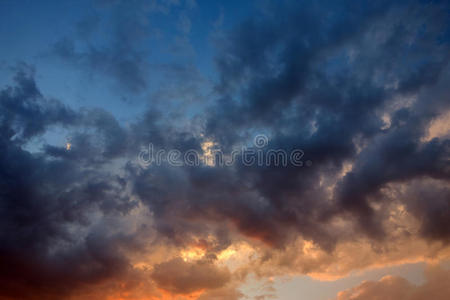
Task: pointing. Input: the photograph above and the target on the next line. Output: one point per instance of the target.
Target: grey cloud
(183, 277)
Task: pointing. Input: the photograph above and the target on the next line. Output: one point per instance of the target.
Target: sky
(224, 150)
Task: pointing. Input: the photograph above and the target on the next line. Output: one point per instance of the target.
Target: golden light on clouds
(192, 254)
(439, 128)
(226, 254)
(165, 295)
(208, 156)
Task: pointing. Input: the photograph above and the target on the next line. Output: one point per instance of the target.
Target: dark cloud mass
(356, 85)
(45, 202)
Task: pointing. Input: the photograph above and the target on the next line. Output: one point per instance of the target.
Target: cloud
(180, 277)
(48, 203)
(357, 87)
(392, 287)
(326, 91)
(25, 113)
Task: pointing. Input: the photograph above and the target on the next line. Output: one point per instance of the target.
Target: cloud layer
(391, 287)
(359, 87)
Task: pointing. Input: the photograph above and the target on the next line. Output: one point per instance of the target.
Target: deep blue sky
(173, 32)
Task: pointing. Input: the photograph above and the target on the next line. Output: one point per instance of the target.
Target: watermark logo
(260, 154)
(261, 141)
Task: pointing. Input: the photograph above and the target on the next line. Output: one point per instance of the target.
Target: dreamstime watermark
(258, 155)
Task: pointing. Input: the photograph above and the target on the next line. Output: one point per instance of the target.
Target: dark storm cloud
(44, 201)
(322, 87)
(434, 214)
(53, 242)
(271, 58)
(397, 156)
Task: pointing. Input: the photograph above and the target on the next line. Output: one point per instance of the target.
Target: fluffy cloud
(397, 288)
